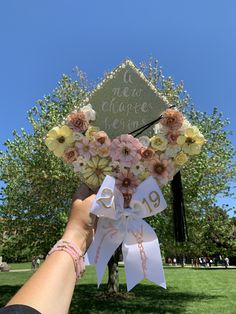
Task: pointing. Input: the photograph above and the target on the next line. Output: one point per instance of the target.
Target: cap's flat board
(125, 101)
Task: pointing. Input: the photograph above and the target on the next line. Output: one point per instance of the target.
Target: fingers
(80, 207)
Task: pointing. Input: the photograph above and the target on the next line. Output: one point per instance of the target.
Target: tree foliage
(38, 187)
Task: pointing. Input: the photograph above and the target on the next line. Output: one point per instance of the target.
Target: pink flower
(172, 137)
(77, 121)
(125, 149)
(160, 169)
(172, 119)
(70, 155)
(147, 153)
(126, 182)
(85, 149)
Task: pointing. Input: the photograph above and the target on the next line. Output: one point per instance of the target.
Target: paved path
(19, 270)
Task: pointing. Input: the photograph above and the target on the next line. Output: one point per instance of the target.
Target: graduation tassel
(180, 227)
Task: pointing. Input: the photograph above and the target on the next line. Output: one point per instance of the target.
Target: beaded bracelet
(73, 250)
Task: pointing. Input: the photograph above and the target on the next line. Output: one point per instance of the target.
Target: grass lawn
(20, 266)
(188, 291)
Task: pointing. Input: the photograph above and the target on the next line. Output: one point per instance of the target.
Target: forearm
(50, 289)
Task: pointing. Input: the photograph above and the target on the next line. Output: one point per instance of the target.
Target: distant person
(226, 262)
(174, 261)
(210, 262)
(183, 261)
(204, 262)
(33, 263)
(200, 261)
(38, 262)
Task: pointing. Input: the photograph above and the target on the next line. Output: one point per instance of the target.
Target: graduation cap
(127, 102)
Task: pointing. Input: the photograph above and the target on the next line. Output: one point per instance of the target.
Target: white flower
(186, 124)
(79, 164)
(116, 166)
(137, 168)
(172, 150)
(144, 140)
(158, 128)
(89, 112)
(77, 136)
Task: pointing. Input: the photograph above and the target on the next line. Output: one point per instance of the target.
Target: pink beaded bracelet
(76, 254)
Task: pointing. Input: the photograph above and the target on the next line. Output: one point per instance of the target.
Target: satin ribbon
(116, 225)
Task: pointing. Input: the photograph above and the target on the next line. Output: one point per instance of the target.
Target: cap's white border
(112, 74)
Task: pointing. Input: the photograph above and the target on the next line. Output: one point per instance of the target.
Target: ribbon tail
(108, 237)
(141, 253)
(86, 260)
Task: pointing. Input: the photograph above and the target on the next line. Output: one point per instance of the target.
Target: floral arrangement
(130, 160)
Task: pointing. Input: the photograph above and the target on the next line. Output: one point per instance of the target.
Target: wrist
(76, 236)
(75, 253)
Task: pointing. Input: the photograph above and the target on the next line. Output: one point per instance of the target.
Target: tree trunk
(113, 272)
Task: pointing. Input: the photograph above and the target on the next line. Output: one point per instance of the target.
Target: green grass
(188, 291)
(20, 266)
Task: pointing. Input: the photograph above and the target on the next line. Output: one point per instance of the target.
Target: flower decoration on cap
(129, 160)
(58, 139)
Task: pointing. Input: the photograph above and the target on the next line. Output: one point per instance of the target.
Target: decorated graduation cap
(126, 140)
(125, 100)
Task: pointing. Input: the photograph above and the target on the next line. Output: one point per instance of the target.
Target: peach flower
(77, 121)
(147, 153)
(172, 119)
(172, 137)
(70, 155)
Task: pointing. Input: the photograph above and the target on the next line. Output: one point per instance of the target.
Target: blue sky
(194, 41)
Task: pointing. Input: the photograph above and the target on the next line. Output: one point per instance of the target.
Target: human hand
(81, 223)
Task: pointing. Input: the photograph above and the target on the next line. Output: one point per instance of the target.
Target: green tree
(39, 187)
(204, 177)
(219, 233)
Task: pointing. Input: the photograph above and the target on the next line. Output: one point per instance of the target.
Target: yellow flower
(191, 141)
(180, 159)
(158, 142)
(95, 170)
(90, 132)
(58, 139)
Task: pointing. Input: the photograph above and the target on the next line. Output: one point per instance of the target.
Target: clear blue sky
(195, 41)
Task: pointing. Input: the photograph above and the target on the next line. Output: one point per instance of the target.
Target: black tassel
(180, 227)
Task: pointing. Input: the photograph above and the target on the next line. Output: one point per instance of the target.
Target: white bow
(116, 225)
